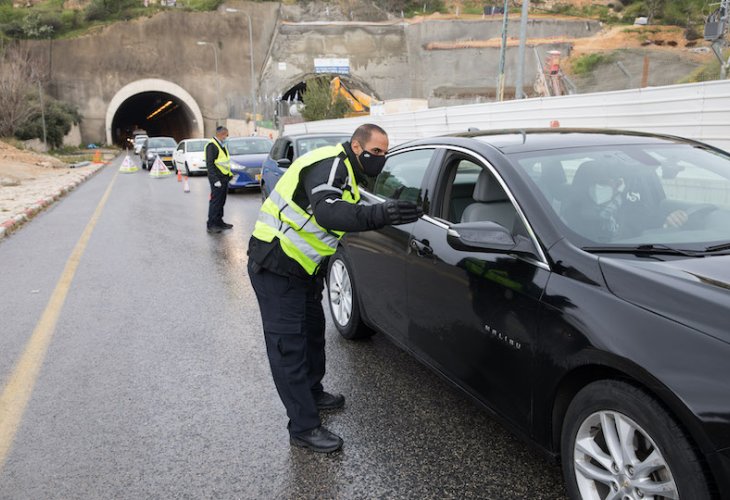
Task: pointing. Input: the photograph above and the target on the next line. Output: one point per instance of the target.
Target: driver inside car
(603, 207)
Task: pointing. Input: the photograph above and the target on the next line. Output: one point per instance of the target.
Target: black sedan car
(574, 282)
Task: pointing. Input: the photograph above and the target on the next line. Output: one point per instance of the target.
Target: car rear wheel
(343, 300)
(618, 442)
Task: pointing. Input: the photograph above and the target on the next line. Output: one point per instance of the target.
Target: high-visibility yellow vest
(300, 236)
(223, 161)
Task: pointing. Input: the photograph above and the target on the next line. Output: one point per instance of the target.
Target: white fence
(699, 111)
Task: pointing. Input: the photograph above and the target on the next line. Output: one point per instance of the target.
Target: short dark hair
(220, 128)
(363, 133)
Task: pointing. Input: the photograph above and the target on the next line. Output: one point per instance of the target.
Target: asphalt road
(155, 382)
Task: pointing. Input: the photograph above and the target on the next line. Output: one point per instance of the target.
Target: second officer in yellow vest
(311, 207)
(218, 163)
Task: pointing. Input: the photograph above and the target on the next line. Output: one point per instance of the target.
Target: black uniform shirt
(320, 191)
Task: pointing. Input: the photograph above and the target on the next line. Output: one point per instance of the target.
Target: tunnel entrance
(157, 113)
(357, 93)
(157, 107)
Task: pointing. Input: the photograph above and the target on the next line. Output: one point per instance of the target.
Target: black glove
(396, 212)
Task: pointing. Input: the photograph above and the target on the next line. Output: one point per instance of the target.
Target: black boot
(318, 439)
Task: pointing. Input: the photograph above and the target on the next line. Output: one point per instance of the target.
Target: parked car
(157, 146)
(189, 156)
(138, 142)
(288, 148)
(576, 283)
(247, 154)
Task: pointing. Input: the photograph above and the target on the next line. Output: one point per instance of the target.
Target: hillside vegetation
(51, 19)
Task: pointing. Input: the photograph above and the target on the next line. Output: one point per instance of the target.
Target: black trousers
(294, 324)
(217, 200)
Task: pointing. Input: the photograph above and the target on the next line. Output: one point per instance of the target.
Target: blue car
(247, 154)
(288, 148)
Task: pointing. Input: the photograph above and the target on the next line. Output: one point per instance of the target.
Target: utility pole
(43, 114)
(500, 81)
(715, 30)
(519, 93)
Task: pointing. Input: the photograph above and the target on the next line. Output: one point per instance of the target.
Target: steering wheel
(697, 213)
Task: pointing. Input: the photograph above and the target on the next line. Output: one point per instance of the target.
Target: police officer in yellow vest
(311, 207)
(218, 163)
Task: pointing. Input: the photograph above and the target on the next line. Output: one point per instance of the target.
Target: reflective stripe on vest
(300, 235)
(223, 161)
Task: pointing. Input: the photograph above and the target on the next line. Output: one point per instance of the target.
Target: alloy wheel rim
(615, 458)
(340, 291)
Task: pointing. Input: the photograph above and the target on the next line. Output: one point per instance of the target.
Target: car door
(179, 157)
(473, 311)
(378, 257)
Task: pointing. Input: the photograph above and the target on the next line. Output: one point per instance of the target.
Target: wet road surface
(155, 382)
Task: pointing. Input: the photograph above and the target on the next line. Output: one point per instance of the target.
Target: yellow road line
(17, 392)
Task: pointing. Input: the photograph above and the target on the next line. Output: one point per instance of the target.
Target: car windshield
(305, 145)
(248, 146)
(139, 139)
(636, 195)
(161, 142)
(196, 146)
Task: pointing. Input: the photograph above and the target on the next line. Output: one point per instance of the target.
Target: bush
(318, 103)
(59, 117)
(587, 63)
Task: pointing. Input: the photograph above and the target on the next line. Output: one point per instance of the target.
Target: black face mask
(372, 165)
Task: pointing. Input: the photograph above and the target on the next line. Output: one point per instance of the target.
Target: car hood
(694, 291)
(253, 160)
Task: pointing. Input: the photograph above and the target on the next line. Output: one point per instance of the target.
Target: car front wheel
(343, 301)
(619, 442)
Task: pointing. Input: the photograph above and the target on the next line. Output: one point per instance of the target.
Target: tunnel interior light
(159, 110)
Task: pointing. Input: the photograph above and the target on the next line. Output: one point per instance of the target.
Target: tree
(19, 75)
(654, 8)
(319, 104)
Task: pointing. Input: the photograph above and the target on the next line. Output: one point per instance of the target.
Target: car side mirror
(283, 162)
(487, 235)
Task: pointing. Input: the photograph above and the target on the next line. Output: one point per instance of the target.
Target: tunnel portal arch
(158, 106)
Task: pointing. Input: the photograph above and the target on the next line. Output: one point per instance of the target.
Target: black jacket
(319, 190)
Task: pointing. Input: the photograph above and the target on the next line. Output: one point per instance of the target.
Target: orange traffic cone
(97, 156)
(186, 186)
(179, 176)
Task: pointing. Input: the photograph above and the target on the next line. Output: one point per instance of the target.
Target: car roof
(528, 140)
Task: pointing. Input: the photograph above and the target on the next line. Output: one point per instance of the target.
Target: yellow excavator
(358, 101)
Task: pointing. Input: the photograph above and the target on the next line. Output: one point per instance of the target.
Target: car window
(197, 146)
(140, 139)
(161, 142)
(181, 146)
(277, 150)
(631, 194)
(308, 144)
(248, 146)
(289, 152)
(472, 193)
(403, 175)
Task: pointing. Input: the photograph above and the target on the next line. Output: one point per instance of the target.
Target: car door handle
(422, 248)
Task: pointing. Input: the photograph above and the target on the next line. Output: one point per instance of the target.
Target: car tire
(343, 300)
(611, 411)
(263, 193)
